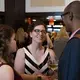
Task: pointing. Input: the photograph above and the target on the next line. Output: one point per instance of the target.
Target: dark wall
(19, 20)
(2, 18)
(15, 12)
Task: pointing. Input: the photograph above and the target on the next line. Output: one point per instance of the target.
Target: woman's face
(12, 45)
(38, 34)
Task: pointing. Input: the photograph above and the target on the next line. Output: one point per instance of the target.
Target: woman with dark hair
(34, 58)
(7, 46)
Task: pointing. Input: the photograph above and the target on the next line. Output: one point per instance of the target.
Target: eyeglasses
(64, 14)
(38, 31)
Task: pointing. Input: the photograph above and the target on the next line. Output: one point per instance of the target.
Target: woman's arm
(6, 73)
(28, 77)
(34, 77)
(19, 64)
(53, 56)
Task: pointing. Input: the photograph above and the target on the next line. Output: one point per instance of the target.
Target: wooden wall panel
(15, 12)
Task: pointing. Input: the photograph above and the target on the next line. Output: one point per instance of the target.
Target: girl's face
(12, 45)
(38, 34)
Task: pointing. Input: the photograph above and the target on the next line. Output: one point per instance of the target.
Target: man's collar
(72, 35)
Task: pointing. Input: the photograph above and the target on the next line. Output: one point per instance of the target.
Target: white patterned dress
(32, 66)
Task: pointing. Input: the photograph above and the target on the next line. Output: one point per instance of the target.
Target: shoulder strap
(77, 35)
(28, 50)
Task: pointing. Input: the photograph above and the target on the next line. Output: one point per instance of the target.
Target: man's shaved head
(74, 7)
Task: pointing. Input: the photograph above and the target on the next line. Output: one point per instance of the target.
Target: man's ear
(71, 16)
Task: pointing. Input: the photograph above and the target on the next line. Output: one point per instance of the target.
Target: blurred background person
(53, 36)
(48, 42)
(60, 41)
(20, 37)
(62, 33)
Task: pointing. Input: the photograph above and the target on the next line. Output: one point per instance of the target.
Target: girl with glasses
(34, 58)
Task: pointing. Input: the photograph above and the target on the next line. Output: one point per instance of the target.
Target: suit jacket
(69, 62)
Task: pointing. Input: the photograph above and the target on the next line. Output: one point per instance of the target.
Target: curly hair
(34, 24)
(6, 33)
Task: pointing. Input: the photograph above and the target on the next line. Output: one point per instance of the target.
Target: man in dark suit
(69, 62)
